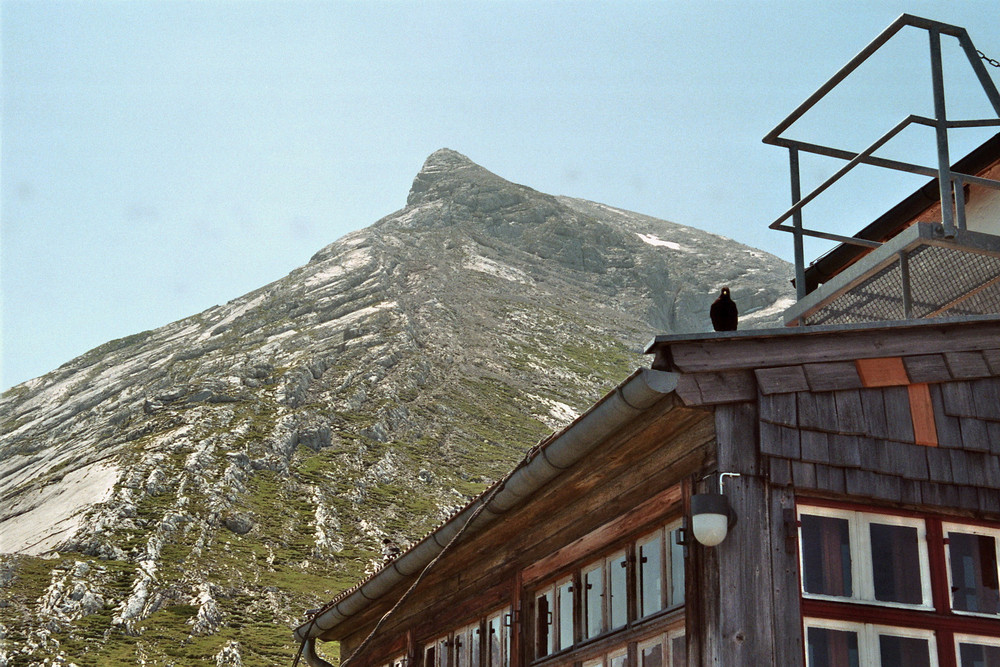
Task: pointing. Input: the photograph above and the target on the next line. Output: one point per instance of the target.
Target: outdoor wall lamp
(711, 515)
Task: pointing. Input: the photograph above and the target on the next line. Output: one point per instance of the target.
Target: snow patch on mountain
(653, 239)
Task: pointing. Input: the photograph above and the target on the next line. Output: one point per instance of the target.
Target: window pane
(676, 570)
(826, 556)
(832, 648)
(974, 573)
(494, 633)
(475, 649)
(678, 651)
(593, 584)
(543, 624)
(617, 660)
(650, 580)
(978, 655)
(442, 652)
(618, 604)
(904, 651)
(896, 563)
(565, 593)
(651, 656)
(461, 649)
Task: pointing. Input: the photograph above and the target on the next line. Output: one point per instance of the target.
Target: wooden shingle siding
(781, 380)
(927, 368)
(958, 399)
(992, 358)
(949, 429)
(779, 409)
(899, 424)
(964, 365)
(873, 409)
(850, 414)
(986, 394)
(832, 376)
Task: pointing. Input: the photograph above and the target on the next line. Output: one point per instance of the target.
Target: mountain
(183, 495)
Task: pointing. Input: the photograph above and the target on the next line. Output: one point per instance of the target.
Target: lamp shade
(709, 518)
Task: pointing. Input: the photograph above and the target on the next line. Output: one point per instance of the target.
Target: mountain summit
(184, 494)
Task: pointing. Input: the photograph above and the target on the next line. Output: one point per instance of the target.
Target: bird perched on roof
(389, 549)
(724, 313)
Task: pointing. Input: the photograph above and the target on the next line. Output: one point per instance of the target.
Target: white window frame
(440, 657)
(559, 642)
(671, 636)
(501, 616)
(657, 640)
(868, 638)
(968, 529)
(981, 640)
(462, 643)
(668, 597)
(859, 535)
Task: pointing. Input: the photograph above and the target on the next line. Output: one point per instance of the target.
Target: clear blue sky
(159, 158)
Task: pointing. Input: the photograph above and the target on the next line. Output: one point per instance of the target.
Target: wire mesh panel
(944, 281)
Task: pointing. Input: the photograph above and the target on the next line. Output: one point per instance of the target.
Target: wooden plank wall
(744, 604)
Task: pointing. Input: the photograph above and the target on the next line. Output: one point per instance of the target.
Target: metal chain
(991, 61)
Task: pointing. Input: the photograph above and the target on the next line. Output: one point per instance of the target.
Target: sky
(160, 158)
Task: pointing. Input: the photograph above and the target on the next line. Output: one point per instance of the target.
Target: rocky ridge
(182, 495)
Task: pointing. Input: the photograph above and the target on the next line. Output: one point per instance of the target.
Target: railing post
(800, 260)
(941, 120)
(904, 277)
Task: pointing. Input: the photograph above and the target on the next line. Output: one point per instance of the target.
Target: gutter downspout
(309, 653)
(637, 393)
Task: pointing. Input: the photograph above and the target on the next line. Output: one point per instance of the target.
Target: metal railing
(950, 182)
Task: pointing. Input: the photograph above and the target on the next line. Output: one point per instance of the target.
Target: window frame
(964, 638)
(615, 617)
(947, 624)
(979, 531)
(862, 563)
(869, 649)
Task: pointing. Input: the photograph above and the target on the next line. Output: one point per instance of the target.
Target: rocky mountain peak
(447, 173)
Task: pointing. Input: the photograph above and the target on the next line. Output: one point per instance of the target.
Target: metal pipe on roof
(637, 393)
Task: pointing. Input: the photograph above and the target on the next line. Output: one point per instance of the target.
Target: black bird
(724, 313)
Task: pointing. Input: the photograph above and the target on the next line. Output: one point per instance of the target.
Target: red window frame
(941, 620)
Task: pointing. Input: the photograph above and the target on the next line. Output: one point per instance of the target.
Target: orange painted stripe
(882, 372)
(922, 413)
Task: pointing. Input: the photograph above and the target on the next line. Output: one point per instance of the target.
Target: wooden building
(851, 473)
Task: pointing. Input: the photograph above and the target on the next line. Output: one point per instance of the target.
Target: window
(607, 594)
(659, 571)
(939, 577)
(484, 643)
(977, 651)
(468, 647)
(844, 644)
(497, 642)
(973, 573)
(874, 558)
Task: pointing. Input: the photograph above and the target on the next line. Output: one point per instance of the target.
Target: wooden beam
(660, 505)
(819, 346)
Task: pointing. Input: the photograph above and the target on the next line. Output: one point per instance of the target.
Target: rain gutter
(639, 392)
